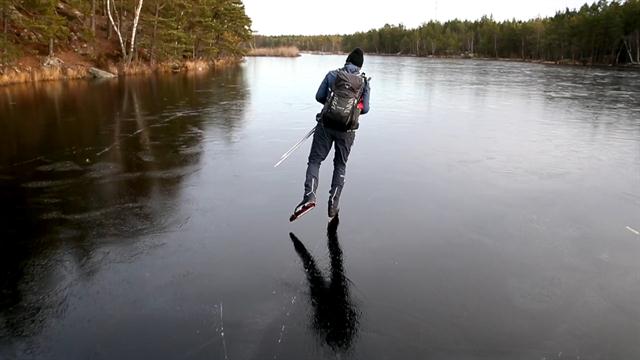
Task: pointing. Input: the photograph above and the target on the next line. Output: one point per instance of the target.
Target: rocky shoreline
(53, 68)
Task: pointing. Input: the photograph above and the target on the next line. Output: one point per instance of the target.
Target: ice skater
(345, 96)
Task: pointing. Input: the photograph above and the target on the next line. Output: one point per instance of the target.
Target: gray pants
(323, 139)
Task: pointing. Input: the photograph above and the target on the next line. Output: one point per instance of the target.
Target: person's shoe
(306, 205)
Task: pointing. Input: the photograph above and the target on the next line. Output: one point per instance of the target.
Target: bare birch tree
(126, 56)
(136, 18)
(116, 28)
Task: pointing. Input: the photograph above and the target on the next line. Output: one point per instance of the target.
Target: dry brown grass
(170, 66)
(17, 76)
(112, 69)
(47, 74)
(27, 74)
(136, 68)
(197, 65)
(14, 76)
(78, 72)
(282, 51)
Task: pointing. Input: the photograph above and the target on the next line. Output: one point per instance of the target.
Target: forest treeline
(604, 32)
(124, 30)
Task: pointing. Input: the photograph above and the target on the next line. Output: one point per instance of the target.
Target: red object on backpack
(360, 105)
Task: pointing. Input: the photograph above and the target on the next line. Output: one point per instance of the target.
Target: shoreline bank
(57, 70)
(281, 51)
(462, 57)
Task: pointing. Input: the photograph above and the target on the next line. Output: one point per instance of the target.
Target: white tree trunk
(638, 46)
(628, 50)
(117, 30)
(133, 31)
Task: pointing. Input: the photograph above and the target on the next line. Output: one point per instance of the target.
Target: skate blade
(302, 211)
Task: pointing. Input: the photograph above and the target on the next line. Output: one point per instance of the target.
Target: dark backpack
(341, 108)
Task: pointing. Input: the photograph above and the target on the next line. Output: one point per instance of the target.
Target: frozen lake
(491, 211)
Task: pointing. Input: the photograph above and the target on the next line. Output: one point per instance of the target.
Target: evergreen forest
(604, 32)
(123, 30)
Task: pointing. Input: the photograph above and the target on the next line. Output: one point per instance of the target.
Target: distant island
(603, 33)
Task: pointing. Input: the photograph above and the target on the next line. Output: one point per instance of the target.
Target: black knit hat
(356, 57)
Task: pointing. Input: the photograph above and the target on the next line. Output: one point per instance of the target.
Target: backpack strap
(332, 87)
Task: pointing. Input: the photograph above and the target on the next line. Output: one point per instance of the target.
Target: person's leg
(320, 148)
(343, 142)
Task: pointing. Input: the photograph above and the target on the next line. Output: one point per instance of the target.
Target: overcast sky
(278, 17)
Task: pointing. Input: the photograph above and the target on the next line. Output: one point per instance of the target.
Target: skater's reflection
(335, 317)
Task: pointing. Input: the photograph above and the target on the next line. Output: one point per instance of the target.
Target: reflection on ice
(99, 169)
(335, 317)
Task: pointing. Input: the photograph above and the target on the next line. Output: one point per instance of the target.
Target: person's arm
(323, 90)
(365, 99)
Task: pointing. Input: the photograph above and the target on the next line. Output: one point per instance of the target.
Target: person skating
(345, 95)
